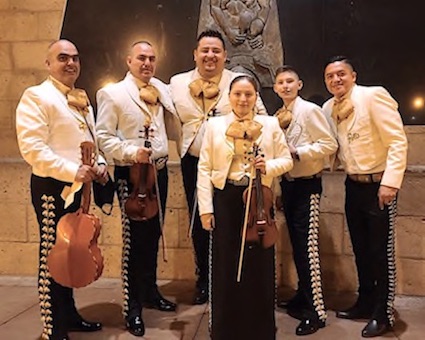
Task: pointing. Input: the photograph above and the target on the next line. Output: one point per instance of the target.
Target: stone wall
(26, 28)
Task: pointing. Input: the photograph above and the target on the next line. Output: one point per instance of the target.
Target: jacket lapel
(133, 91)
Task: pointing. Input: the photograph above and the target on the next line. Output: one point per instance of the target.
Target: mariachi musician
(52, 120)
(245, 309)
(126, 110)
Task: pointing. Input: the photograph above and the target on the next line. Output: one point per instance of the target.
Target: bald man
(125, 109)
(51, 124)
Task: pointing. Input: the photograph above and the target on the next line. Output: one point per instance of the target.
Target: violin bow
(192, 217)
(245, 225)
(161, 217)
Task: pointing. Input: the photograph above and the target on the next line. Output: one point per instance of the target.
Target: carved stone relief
(251, 32)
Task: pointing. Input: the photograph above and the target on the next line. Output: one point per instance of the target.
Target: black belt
(292, 179)
(367, 178)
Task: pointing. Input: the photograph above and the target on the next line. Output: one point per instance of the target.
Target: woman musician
(245, 309)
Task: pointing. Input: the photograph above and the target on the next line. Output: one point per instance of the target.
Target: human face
(242, 98)
(142, 62)
(339, 78)
(210, 57)
(287, 85)
(63, 62)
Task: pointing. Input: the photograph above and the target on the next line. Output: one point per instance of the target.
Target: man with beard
(138, 103)
(52, 120)
(197, 95)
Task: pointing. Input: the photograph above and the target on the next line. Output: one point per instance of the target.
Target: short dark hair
(244, 77)
(341, 58)
(287, 68)
(211, 34)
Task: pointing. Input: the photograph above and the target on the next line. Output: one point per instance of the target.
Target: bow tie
(284, 116)
(149, 94)
(244, 129)
(342, 109)
(207, 88)
(78, 98)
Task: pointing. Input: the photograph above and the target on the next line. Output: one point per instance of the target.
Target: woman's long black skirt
(239, 310)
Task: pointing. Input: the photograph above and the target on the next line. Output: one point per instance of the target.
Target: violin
(75, 260)
(261, 227)
(142, 204)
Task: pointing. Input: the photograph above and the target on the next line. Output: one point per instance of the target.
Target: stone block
(339, 273)
(331, 233)
(410, 277)
(111, 233)
(6, 114)
(180, 265)
(21, 81)
(171, 228)
(185, 240)
(4, 4)
(5, 56)
(9, 145)
(39, 5)
(30, 55)
(112, 261)
(411, 197)
(285, 271)
(18, 26)
(176, 196)
(14, 182)
(32, 224)
(416, 139)
(284, 245)
(333, 195)
(49, 25)
(17, 258)
(13, 219)
(410, 236)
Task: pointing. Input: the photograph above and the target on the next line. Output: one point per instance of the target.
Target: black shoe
(355, 312)
(161, 304)
(309, 326)
(201, 297)
(82, 325)
(135, 326)
(375, 328)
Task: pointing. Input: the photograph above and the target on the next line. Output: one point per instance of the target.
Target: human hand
(102, 173)
(260, 163)
(386, 195)
(143, 155)
(208, 221)
(85, 173)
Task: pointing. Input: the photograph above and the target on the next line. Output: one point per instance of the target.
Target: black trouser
(56, 301)
(200, 237)
(140, 247)
(301, 198)
(372, 235)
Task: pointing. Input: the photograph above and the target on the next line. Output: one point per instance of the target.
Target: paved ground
(19, 315)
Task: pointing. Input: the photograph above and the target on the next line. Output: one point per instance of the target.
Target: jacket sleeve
(110, 143)
(323, 142)
(387, 119)
(204, 183)
(32, 128)
(282, 161)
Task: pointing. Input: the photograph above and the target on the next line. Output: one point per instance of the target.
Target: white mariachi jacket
(217, 153)
(372, 139)
(121, 118)
(191, 114)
